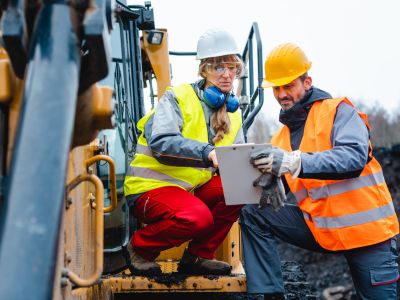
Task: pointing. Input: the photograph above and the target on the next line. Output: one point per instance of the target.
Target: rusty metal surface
(171, 281)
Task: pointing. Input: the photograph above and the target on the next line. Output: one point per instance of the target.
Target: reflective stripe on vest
(341, 214)
(356, 218)
(141, 149)
(340, 187)
(148, 173)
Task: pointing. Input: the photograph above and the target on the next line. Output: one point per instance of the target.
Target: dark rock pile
(330, 271)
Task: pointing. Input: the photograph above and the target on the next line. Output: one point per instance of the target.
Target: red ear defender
(214, 98)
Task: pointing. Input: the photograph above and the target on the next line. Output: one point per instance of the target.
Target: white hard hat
(216, 42)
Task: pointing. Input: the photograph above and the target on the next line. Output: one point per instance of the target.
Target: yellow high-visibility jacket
(147, 173)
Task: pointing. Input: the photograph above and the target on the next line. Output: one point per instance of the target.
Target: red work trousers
(174, 216)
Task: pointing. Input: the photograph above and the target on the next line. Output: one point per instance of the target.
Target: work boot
(274, 296)
(140, 266)
(195, 265)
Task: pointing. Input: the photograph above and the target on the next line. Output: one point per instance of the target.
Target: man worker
(324, 154)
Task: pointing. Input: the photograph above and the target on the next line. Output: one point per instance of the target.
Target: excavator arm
(57, 50)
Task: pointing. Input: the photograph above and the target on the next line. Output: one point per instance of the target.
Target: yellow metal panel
(229, 250)
(3, 53)
(78, 243)
(7, 81)
(169, 266)
(14, 112)
(94, 111)
(97, 292)
(171, 281)
(98, 232)
(102, 106)
(174, 253)
(159, 60)
(128, 284)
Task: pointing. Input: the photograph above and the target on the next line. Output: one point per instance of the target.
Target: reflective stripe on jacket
(146, 173)
(341, 214)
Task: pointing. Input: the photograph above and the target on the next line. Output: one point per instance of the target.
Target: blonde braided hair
(220, 121)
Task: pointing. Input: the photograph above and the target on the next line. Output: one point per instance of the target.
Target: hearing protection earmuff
(214, 98)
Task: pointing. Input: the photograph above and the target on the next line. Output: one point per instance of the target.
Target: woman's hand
(213, 157)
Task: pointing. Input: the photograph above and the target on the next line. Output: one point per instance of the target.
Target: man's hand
(273, 192)
(212, 156)
(276, 161)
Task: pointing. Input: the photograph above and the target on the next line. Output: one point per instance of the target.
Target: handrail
(99, 230)
(182, 53)
(249, 118)
(113, 179)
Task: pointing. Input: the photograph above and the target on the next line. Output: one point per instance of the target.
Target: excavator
(76, 77)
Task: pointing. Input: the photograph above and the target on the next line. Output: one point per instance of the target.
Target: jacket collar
(296, 116)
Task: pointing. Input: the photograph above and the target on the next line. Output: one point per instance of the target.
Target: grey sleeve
(347, 158)
(239, 139)
(163, 132)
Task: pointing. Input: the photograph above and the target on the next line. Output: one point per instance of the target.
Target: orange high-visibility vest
(341, 214)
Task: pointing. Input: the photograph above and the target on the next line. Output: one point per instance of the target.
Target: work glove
(276, 161)
(273, 191)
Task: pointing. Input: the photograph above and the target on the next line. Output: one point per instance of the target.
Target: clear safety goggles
(221, 68)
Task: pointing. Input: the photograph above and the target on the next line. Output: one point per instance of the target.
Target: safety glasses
(221, 68)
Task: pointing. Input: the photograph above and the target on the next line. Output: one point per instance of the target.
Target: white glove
(277, 161)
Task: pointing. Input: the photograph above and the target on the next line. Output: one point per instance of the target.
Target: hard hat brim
(221, 53)
(279, 82)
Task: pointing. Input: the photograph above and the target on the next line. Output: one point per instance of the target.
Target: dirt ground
(324, 271)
